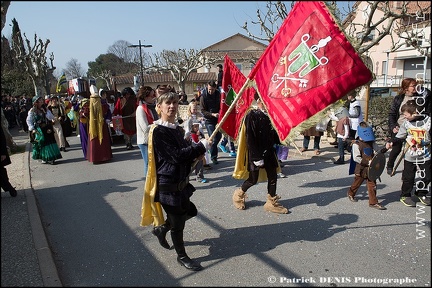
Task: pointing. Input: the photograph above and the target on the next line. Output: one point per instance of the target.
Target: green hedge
(378, 116)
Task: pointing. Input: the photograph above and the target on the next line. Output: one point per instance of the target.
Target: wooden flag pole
(233, 104)
(366, 114)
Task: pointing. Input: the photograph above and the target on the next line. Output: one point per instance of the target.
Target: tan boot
(239, 197)
(272, 205)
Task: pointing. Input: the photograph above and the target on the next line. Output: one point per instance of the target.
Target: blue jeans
(213, 149)
(341, 148)
(306, 140)
(144, 153)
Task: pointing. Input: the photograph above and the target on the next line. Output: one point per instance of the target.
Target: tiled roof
(235, 35)
(164, 78)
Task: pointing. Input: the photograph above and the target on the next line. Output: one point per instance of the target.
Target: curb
(47, 265)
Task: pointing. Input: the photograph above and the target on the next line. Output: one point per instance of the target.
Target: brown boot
(239, 197)
(272, 205)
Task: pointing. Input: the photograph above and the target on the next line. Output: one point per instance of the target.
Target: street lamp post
(141, 59)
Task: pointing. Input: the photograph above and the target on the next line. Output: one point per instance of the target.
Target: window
(384, 68)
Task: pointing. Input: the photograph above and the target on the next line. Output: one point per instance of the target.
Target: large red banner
(232, 82)
(307, 66)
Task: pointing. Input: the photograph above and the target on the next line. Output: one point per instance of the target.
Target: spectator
(220, 77)
(126, 107)
(23, 116)
(407, 91)
(210, 106)
(355, 116)
(195, 136)
(145, 116)
(317, 139)
(183, 98)
(341, 116)
(415, 130)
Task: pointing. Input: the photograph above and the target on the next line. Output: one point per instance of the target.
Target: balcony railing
(392, 81)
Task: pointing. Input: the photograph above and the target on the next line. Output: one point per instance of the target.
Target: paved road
(91, 216)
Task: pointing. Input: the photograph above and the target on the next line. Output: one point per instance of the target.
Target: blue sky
(85, 29)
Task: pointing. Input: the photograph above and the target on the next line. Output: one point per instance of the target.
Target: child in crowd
(364, 149)
(194, 136)
(415, 130)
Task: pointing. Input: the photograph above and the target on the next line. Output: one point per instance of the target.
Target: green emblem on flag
(230, 97)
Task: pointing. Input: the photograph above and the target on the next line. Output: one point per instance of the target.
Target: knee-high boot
(160, 232)
(178, 223)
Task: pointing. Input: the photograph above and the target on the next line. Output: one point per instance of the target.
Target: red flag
(232, 82)
(307, 66)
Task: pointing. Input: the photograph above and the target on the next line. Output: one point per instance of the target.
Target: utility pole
(141, 59)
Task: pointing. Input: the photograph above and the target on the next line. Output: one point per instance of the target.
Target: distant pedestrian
(126, 107)
(39, 121)
(220, 76)
(210, 107)
(23, 116)
(146, 114)
(317, 139)
(341, 116)
(355, 115)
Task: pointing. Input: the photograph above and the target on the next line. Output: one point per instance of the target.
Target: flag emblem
(307, 66)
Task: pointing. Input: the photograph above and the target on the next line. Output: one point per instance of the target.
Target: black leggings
(253, 179)
(176, 219)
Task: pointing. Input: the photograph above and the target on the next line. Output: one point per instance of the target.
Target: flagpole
(233, 104)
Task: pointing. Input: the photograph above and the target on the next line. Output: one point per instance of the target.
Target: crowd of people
(174, 149)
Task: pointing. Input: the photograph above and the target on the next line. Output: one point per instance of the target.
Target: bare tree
(34, 59)
(121, 49)
(396, 23)
(74, 69)
(396, 20)
(179, 63)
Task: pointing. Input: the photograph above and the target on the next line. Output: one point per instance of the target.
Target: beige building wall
(380, 54)
(232, 46)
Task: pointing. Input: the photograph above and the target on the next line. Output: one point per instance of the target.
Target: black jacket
(393, 114)
(261, 138)
(173, 156)
(210, 104)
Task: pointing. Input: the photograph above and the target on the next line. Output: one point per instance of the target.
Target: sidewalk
(26, 258)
